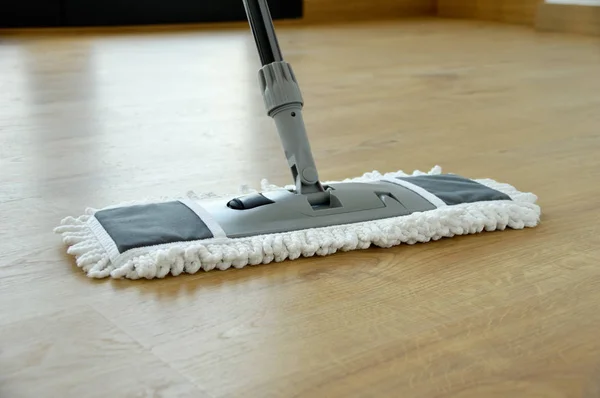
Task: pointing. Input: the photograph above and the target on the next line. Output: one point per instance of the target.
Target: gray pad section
(152, 224)
(454, 189)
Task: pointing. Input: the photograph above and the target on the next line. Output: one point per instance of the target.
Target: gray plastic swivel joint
(283, 102)
(279, 86)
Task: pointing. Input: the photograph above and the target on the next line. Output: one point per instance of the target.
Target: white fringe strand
(190, 257)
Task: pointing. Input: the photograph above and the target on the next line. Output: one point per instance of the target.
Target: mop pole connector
(283, 102)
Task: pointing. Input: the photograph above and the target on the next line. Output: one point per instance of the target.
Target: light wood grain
(78, 353)
(93, 119)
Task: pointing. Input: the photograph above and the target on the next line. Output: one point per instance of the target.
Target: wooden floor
(97, 118)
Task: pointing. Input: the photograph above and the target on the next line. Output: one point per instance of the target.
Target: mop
(156, 238)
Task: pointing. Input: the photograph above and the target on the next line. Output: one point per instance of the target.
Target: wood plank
(77, 352)
(102, 117)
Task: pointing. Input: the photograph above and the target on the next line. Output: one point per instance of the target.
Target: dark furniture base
(56, 13)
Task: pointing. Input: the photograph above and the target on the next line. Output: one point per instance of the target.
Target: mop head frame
(97, 254)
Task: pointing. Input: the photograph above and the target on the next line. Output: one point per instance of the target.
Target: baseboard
(354, 10)
(560, 16)
(520, 12)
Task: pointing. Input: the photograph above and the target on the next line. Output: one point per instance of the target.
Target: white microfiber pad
(204, 246)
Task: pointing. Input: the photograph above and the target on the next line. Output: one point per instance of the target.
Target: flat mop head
(154, 239)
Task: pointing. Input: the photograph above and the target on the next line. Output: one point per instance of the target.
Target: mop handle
(283, 101)
(262, 28)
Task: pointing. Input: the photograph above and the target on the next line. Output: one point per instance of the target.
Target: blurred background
(582, 16)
